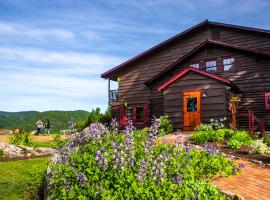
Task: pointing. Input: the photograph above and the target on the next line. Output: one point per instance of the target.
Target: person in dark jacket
(47, 126)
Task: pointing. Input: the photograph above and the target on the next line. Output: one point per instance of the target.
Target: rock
(27, 149)
(256, 161)
(6, 132)
(44, 151)
(232, 196)
(33, 132)
(13, 150)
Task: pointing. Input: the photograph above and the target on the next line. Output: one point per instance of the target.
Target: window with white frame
(195, 65)
(211, 66)
(228, 63)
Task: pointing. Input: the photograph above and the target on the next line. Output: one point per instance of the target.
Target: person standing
(47, 126)
(39, 125)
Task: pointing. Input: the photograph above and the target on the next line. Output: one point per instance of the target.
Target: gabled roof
(204, 73)
(176, 37)
(200, 46)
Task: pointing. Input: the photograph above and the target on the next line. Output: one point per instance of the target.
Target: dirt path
(252, 184)
(172, 137)
(40, 138)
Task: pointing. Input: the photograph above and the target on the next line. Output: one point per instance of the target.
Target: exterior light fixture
(204, 94)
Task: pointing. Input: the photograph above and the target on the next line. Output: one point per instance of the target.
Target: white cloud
(10, 29)
(35, 79)
(46, 56)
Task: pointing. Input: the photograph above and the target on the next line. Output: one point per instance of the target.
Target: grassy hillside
(26, 120)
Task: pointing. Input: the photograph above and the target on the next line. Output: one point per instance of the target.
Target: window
(228, 63)
(192, 104)
(195, 65)
(139, 113)
(211, 66)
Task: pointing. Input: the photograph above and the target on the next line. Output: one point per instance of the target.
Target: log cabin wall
(250, 74)
(212, 106)
(132, 88)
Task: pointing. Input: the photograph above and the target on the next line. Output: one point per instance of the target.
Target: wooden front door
(191, 110)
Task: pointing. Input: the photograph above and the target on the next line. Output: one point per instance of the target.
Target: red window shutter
(133, 113)
(146, 115)
(123, 117)
(267, 101)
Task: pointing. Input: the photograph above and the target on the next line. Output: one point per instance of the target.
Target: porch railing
(113, 95)
(251, 121)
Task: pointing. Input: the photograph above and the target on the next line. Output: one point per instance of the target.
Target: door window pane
(192, 104)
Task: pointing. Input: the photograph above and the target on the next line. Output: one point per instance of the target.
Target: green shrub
(204, 127)
(1, 152)
(95, 116)
(239, 139)
(266, 140)
(165, 125)
(234, 144)
(228, 133)
(259, 147)
(24, 139)
(201, 137)
(57, 140)
(130, 165)
(218, 135)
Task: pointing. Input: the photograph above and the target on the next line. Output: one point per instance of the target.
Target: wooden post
(233, 115)
(109, 89)
(234, 101)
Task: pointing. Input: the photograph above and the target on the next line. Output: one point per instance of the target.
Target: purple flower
(241, 165)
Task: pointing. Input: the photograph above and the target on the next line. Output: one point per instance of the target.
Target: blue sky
(53, 52)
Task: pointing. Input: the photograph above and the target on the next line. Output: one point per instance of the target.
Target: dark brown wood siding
(132, 88)
(212, 106)
(250, 73)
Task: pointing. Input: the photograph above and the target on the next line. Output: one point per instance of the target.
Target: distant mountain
(27, 119)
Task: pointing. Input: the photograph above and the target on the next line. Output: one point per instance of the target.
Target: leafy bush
(201, 137)
(266, 140)
(24, 139)
(95, 116)
(228, 133)
(165, 125)
(58, 142)
(239, 139)
(204, 127)
(206, 134)
(1, 152)
(259, 147)
(102, 164)
(234, 144)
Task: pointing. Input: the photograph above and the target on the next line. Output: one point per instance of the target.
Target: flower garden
(237, 142)
(104, 163)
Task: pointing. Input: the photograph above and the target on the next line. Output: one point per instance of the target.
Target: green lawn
(48, 144)
(22, 179)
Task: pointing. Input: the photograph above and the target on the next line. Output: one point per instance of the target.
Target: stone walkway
(253, 183)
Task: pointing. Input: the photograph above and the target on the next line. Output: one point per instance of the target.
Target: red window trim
(123, 113)
(266, 100)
